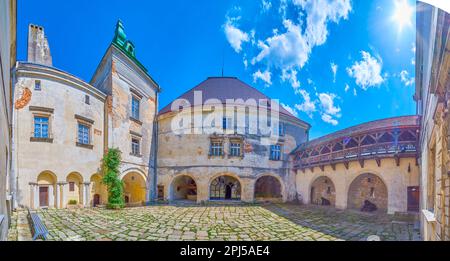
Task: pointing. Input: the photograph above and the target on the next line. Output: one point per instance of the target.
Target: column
(51, 196)
(58, 194)
(36, 196)
(32, 197)
(87, 193)
(64, 194)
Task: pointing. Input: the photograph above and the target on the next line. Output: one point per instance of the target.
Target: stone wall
(189, 154)
(396, 178)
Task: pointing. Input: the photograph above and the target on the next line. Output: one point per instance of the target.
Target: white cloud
(290, 109)
(347, 88)
(284, 50)
(264, 76)
(334, 68)
(367, 72)
(354, 92)
(291, 75)
(328, 119)
(413, 61)
(293, 47)
(234, 35)
(327, 104)
(413, 47)
(310, 81)
(266, 5)
(307, 106)
(404, 76)
(319, 13)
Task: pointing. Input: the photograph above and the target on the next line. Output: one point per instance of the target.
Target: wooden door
(43, 196)
(96, 200)
(413, 199)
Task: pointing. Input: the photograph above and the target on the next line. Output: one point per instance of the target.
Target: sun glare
(403, 14)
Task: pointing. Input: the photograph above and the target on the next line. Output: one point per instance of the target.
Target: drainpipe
(154, 186)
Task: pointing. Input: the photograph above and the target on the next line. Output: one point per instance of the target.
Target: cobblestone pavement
(219, 222)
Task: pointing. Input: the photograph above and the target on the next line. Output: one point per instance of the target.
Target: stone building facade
(374, 162)
(200, 147)
(8, 22)
(433, 103)
(64, 125)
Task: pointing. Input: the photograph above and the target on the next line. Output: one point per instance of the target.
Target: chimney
(38, 49)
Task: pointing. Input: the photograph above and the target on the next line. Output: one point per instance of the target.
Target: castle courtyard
(217, 223)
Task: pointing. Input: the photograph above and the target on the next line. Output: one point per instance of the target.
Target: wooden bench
(38, 227)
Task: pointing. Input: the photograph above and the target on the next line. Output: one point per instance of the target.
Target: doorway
(96, 200)
(413, 199)
(43, 196)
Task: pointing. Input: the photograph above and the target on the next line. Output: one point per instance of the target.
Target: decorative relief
(113, 67)
(248, 147)
(24, 99)
(109, 104)
(97, 132)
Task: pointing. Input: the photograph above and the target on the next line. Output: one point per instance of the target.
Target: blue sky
(285, 48)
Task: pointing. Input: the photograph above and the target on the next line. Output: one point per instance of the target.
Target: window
(226, 123)
(71, 186)
(281, 129)
(83, 133)
(135, 107)
(37, 85)
(216, 148)
(86, 99)
(135, 147)
(275, 152)
(329, 190)
(235, 149)
(40, 127)
(372, 192)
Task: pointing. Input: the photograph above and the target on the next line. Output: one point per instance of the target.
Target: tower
(38, 48)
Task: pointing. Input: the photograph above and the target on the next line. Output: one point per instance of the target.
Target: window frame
(135, 98)
(138, 139)
(216, 145)
(275, 152)
(36, 84)
(89, 134)
(234, 148)
(46, 116)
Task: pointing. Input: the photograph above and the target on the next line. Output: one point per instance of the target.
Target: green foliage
(110, 167)
(72, 202)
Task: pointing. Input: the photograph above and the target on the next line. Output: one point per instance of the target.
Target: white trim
(429, 216)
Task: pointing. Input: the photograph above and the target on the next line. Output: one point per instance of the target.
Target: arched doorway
(134, 188)
(368, 193)
(46, 189)
(99, 192)
(225, 188)
(323, 192)
(75, 183)
(268, 188)
(184, 188)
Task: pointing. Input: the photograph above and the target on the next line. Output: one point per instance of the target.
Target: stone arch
(322, 191)
(269, 187)
(225, 186)
(183, 187)
(75, 188)
(135, 188)
(46, 189)
(99, 192)
(368, 192)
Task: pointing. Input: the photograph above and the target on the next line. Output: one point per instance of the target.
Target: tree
(110, 167)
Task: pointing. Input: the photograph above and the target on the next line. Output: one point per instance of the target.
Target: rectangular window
(135, 147)
(135, 107)
(216, 148)
(226, 123)
(87, 99)
(71, 186)
(235, 149)
(275, 152)
(83, 134)
(281, 129)
(37, 85)
(40, 127)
